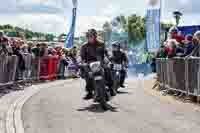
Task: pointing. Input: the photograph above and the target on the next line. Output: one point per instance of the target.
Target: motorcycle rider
(92, 51)
(119, 57)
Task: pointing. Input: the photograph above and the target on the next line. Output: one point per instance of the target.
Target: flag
(152, 24)
(70, 36)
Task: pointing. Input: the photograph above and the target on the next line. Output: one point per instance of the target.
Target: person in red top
(170, 48)
(177, 35)
(58, 51)
(180, 39)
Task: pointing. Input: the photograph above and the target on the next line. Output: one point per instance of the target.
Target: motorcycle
(95, 71)
(116, 73)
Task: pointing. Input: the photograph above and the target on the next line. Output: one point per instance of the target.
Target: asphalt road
(60, 109)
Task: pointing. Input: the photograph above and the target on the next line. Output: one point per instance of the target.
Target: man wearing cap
(92, 51)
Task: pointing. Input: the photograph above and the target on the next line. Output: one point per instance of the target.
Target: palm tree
(177, 16)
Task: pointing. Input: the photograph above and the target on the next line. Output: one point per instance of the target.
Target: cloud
(37, 15)
(111, 10)
(87, 22)
(48, 23)
(34, 6)
(55, 15)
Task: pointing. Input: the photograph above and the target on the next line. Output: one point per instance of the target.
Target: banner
(152, 24)
(70, 36)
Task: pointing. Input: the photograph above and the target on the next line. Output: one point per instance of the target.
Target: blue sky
(55, 15)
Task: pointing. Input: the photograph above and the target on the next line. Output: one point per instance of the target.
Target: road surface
(61, 109)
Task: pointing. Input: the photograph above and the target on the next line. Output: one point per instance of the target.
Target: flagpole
(160, 21)
(74, 25)
(70, 36)
(75, 4)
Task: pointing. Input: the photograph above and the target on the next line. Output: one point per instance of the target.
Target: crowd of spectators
(178, 45)
(19, 47)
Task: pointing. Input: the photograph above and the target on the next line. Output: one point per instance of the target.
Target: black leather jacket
(93, 52)
(119, 57)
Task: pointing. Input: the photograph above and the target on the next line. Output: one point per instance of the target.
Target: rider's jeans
(123, 77)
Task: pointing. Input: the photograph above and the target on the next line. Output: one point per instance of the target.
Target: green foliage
(49, 37)
(136, 28)
(12, 31)
(107, 31)
(134, 25)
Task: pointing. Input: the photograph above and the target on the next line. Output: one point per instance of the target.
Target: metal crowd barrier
(8, 67)
(36, 68)
(180, 74)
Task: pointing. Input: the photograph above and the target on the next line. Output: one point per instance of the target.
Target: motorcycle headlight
(95, 66)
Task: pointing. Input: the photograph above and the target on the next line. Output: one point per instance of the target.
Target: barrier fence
(180, 74)
(35, 68)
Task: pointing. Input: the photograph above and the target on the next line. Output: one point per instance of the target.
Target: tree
(7, 26)
(49, 37)
(28, 35)
(136, 28)
(122, 22)
(62, 37)
(107, 30)
(177, 16)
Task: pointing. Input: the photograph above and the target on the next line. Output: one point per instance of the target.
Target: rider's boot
(88, 96)
(113, 92)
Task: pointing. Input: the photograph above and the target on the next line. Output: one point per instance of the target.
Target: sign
(152, 24)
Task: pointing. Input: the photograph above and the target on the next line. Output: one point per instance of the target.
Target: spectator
(58, 51)
(36, 50)
(179, 50)
(54, 52)
(4, 45)
(50, 51)
(43, 50)
(188, 45)
(72, 56)
(175, 34)
(161, 52)
(180, 38)
(170, 49)
(25, 48)
(196, 44)
(63, 64)
(21, 63)
(30, 46)
(74, 51)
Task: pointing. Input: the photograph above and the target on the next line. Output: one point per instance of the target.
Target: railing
(36, 68)
(180, 74)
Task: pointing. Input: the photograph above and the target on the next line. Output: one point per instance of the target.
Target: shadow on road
(96, 108)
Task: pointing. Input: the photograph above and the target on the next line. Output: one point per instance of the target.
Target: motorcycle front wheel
(101, 93)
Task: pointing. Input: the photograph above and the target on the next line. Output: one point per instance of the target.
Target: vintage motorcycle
(95, 71)
(116, 73)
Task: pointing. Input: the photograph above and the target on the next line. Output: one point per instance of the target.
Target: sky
(54, 16)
